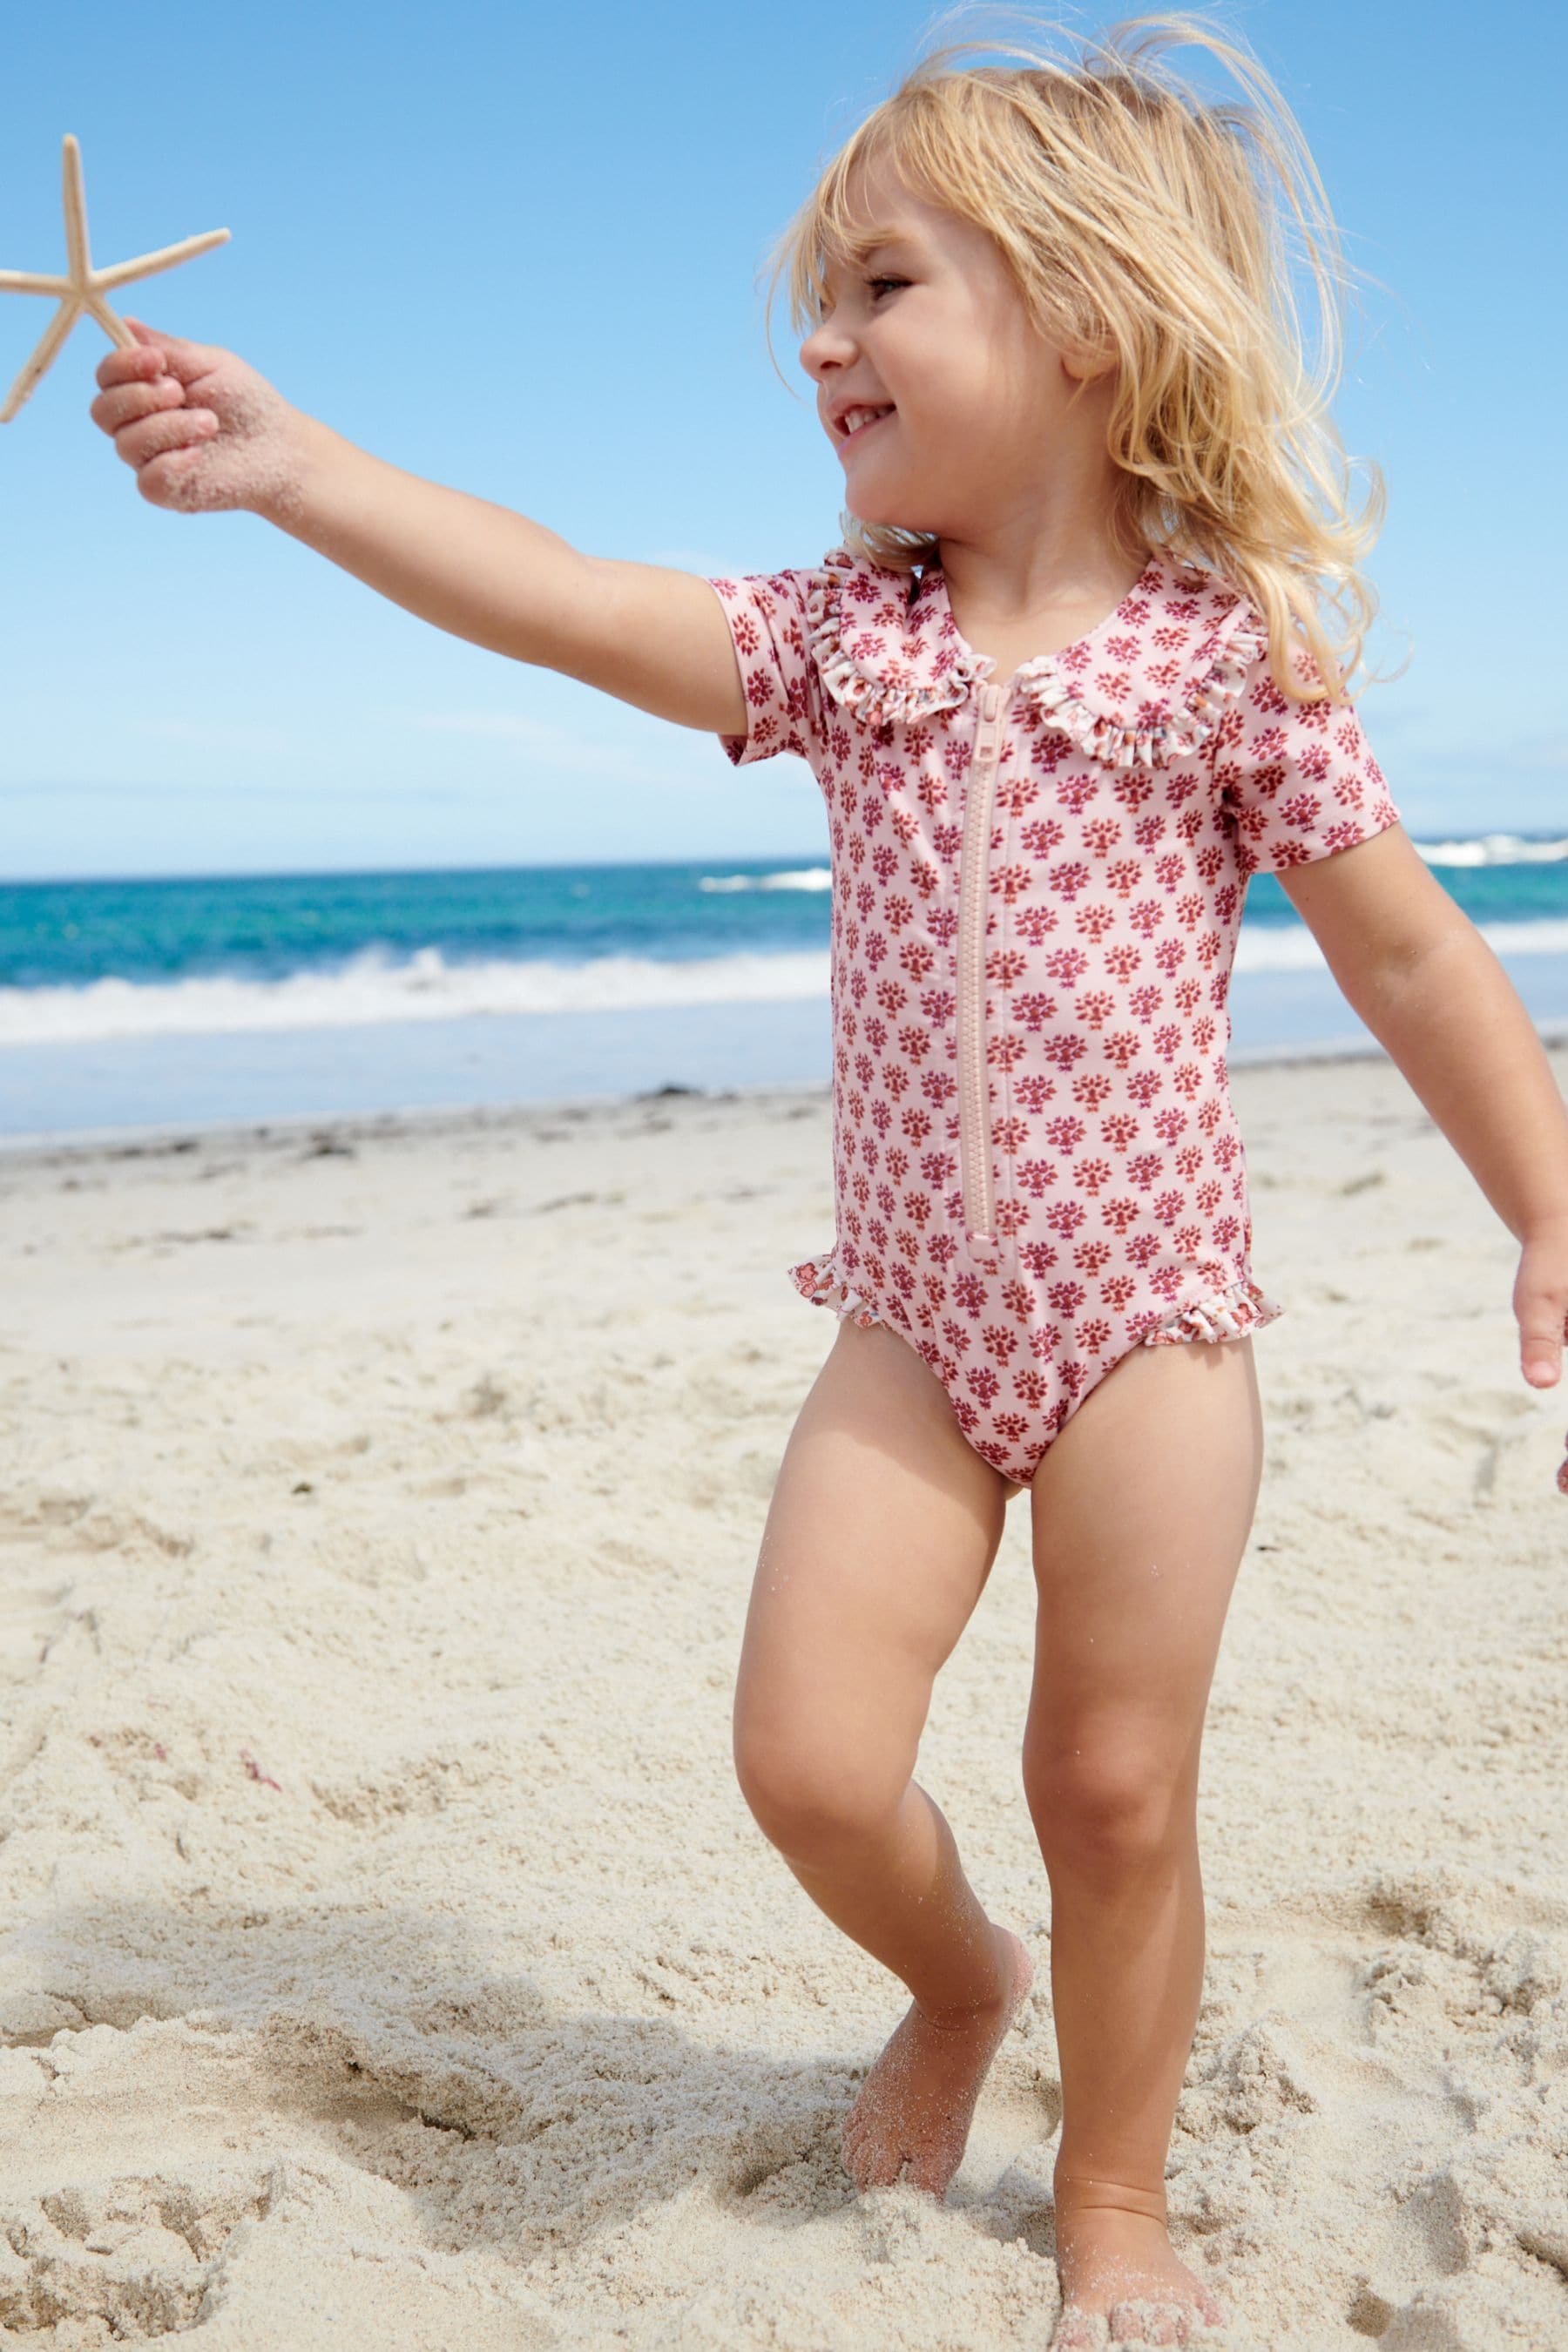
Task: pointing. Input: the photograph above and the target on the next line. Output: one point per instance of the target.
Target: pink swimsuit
(1036, 893)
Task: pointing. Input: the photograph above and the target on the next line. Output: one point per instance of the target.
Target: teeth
(855, 418)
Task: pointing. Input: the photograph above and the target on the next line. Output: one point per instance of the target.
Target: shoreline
(152, 1138)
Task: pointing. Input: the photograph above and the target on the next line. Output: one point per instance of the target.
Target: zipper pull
(988, 734)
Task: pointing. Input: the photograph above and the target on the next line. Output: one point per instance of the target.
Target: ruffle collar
(1146, 686)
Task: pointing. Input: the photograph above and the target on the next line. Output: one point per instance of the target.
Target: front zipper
(973, 1100)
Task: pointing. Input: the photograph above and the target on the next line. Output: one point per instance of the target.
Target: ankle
(1085, 2193)
(954, 2017)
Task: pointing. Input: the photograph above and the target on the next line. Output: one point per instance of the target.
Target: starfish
(83, 288)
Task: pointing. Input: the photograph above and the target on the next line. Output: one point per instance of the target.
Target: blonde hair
(1133, 214)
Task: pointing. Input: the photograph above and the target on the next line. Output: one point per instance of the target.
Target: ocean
(147, 1004)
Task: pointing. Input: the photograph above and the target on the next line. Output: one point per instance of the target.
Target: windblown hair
(1160, 230)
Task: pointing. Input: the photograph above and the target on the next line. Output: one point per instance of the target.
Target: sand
(389, 1957)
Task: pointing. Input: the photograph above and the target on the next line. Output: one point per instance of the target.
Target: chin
(887, 513)
(895, 520)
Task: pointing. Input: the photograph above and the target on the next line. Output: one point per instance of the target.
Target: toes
(1141, 2321)
(1081, 2331)
(930, 2177)
(868, 2163)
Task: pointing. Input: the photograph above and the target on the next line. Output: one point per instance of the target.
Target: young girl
(1065, 685)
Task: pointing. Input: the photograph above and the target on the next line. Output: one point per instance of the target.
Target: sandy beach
(390, 1960)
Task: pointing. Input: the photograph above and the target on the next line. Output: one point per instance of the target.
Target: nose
(826, 348)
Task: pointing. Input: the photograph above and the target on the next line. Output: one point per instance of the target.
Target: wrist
(290, 491)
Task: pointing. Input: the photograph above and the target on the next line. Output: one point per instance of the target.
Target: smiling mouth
(858, 422)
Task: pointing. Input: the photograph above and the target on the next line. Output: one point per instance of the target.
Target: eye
(874, 283)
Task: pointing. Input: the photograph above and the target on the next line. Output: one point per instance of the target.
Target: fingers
(125, 403)
(154, 436)
(182, 359)
(173, 481)
(147, 415)
(1542, 1329)
(1542, 1314)
(152, 354)
(1541, 1304)
(135, 363)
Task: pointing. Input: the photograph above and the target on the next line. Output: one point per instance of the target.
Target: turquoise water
(150, 1002)
(264, 928)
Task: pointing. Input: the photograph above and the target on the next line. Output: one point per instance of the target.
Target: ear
(1087, 359)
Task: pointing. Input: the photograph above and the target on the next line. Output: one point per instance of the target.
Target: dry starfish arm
(122, 273)
(54, 335)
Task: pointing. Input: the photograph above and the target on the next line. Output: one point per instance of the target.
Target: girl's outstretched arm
(204, 431)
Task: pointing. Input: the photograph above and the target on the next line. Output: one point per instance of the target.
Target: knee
(812, 1803)
(1112, 1808)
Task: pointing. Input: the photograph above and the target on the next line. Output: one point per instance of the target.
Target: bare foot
(916, 2104)
(1123, 2283)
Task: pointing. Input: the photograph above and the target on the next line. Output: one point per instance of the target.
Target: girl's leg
(880, 1538)
(1142, 1511)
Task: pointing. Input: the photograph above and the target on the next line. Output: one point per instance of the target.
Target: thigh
(879, 1537)
(1141, 1515)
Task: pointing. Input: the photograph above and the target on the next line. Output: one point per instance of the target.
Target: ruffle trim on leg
(818, 1280)
(1228, 1314)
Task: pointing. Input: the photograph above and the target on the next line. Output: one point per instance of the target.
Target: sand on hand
(389, 1956)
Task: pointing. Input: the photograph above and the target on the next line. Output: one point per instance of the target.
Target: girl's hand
(202, 430)
(1540, 1305)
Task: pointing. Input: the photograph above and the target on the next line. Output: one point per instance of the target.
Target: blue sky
(515, 249)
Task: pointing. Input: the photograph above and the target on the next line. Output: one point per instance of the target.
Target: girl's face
(972, 407)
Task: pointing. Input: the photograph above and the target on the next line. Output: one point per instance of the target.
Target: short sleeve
(768, 626)
(1298, 778)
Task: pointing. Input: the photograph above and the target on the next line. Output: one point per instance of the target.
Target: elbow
(1406, 968)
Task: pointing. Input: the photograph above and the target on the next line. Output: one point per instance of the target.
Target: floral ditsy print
(1140, 776)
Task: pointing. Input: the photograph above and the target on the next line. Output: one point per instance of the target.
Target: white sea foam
(1494, 849)
(805, 877)
(1485, 849)
(373, 989)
